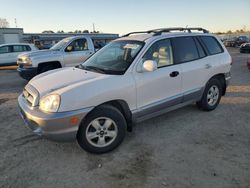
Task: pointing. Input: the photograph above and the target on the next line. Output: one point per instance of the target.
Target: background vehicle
(68, 52)
(245, 48)
(248, 63)
(236, 41)
(9, 52)
(131, 79)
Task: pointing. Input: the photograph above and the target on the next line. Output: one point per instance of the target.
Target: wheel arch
(55, 64)
(222, 79)
(123, 107)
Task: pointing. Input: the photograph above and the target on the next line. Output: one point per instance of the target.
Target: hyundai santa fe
(134, 78)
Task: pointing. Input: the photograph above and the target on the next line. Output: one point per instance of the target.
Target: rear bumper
(227, 78)
(27, 73)
(54, 126)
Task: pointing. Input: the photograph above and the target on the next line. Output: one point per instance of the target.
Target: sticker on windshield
(132, 46)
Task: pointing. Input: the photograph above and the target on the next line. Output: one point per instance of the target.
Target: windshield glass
(60, 44)
(115, 58)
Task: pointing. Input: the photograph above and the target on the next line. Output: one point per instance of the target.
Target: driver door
(161, 88)
(76, 52)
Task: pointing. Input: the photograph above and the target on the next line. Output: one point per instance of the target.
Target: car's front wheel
(102, 130)
(211, 96)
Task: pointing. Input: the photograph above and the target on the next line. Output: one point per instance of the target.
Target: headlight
(24, 60)
(50, 103)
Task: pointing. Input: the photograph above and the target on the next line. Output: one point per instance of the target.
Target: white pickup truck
(68, 52)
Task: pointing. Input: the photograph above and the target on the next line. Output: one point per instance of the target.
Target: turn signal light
(74, 120)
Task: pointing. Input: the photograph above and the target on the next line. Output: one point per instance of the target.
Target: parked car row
(236, 41)
(131, 79)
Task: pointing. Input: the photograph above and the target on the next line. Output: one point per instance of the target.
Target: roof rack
(136, 32)
(165, 30)
(188, 29)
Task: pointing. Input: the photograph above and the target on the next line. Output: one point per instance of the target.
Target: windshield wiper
(92, 68)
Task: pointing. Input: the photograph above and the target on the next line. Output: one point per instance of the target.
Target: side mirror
(69, 48)
(149, 66)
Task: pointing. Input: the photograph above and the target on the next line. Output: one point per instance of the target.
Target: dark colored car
(236, 41)
(248, 63)
(245, 48)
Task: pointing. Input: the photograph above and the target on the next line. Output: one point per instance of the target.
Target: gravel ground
(183, 148)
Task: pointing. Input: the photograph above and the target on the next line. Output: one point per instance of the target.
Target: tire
(103, 121)
(211, 95)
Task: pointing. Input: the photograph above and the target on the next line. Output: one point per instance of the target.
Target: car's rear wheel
(211, 96)
(102, 130)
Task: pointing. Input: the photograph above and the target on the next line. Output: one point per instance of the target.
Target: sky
(123, 16)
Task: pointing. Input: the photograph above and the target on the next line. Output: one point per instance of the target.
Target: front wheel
(211, 96)
(102, 130)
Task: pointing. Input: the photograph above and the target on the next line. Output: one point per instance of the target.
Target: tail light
(231, 62)
(248, 63)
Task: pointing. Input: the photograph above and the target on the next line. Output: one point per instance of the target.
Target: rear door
(76, 52)
(190, 55)
(5, 55)
(18, 49)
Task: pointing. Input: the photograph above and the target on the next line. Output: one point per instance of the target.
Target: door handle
(208, 66)
(174, 74)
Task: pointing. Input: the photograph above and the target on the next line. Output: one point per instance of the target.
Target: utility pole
(15, 23)
(93, 28)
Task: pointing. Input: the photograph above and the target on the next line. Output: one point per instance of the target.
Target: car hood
(39, 53)
(60, 78)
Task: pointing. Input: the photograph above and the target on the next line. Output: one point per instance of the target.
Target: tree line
(76, 31)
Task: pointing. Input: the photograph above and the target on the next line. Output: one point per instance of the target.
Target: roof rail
(136, 32)
(188, 29)
(164, 30)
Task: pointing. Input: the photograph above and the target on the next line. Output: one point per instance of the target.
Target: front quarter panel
(96, 92)
(50, 57)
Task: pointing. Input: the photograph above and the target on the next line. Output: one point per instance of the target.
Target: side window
(184, 49)
(200, 49)
(212, 45)
(79, 45)
(19, 48)
(161, 52)
(27, 48)
(4, 49)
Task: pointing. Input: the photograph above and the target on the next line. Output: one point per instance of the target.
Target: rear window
(200, 49)
(4, 49)
(212, 45)
(21, 48)
(184, 49)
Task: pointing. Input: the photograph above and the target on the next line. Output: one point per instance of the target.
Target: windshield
(60, 44)
(115, 58)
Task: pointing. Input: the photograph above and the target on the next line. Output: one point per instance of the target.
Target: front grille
(31, 95)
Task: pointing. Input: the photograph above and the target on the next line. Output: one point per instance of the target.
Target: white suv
(131, 79)
(9, 52)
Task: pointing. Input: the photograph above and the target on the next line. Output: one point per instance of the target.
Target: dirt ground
(183, 148)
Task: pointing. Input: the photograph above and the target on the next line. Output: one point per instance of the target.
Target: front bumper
(27, 73)
(54, 126)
